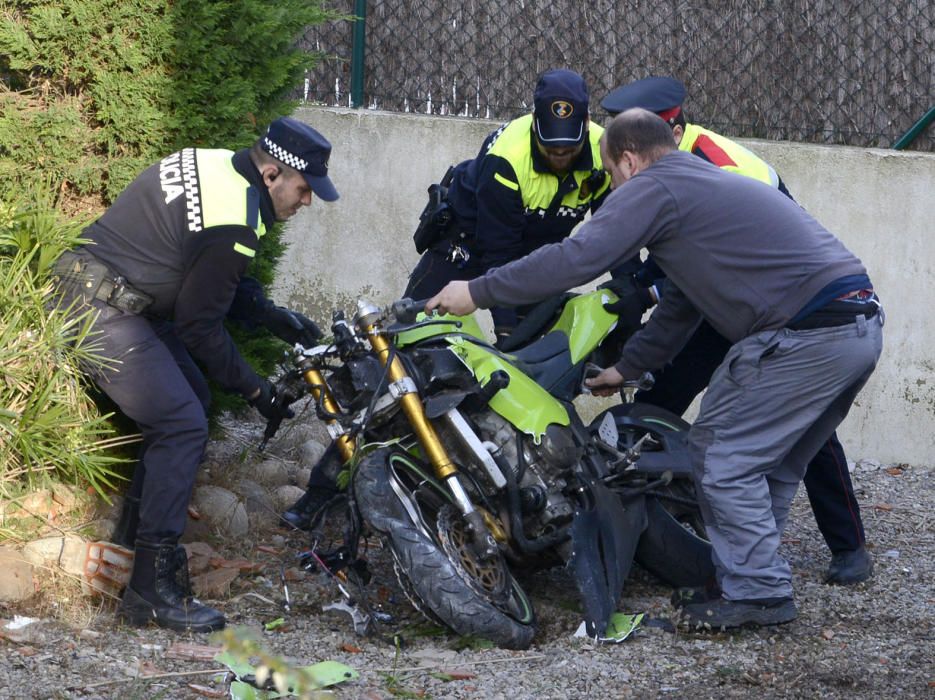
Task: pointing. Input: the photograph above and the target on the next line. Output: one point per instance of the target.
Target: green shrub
(49, 427)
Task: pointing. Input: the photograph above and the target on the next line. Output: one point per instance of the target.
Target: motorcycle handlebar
(405, 310)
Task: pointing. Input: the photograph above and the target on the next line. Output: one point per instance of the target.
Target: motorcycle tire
(671, 552)
(673, 547)
(440, 584)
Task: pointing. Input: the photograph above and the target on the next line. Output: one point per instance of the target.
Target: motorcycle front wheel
(399, 497)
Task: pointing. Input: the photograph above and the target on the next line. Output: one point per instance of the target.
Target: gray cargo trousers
(777, 396)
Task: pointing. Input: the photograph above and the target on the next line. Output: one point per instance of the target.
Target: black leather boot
(156, 592)
(850, 567)
(125, 531)
(307, 512)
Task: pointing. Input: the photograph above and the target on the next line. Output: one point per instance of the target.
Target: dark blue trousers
(155, 382)
(827, 481)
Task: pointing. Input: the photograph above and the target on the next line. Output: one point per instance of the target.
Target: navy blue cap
(301, 147)
(560, 108)
(657, 94)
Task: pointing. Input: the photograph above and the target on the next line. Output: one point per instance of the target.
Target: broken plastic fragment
(619, 627)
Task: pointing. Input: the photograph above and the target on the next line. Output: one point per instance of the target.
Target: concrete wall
(880, 203)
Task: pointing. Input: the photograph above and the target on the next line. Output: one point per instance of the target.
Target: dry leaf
(239, 564)
(894, 471)
(267, 548)
(294, 574)
(827, 634)
(459, 675)
(215, 583)
(350, 648)
(148, 668)
(208, 691)
(198, 564)
(883, 506)
(200, 549)
(27, 651)
(192, 652)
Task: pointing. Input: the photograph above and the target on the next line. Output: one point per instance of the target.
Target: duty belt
(80, 274)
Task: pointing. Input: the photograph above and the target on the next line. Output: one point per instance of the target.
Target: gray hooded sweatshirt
(738, 253)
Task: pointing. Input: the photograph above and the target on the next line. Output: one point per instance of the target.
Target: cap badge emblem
(562, 109)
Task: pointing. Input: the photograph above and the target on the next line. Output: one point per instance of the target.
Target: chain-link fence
(821, 71)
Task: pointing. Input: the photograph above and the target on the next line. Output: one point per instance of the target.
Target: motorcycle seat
(548, 363)
(549, 346)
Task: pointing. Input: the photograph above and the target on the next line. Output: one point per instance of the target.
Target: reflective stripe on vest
(727, 154)
(539, 189)
(224, 193)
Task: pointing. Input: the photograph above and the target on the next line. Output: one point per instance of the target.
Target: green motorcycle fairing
(524, 403)
(586, 323)
(445, 324)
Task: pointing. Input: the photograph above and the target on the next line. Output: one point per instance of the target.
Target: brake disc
(489, 578)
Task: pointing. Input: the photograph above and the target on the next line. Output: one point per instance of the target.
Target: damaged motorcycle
(472, 463)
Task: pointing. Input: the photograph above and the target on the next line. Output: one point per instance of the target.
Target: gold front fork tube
(412, 406)
(321, 393)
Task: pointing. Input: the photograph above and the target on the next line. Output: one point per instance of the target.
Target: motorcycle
(472, 463)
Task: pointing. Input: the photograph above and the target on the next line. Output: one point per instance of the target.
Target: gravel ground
(872, 640)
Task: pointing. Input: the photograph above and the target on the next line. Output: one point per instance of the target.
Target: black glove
(291, 326)
(633, 301)
(271, 405)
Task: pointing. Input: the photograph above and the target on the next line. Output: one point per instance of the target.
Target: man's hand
(455, 299)
(291, 326)
(607, 383)
(269, 403)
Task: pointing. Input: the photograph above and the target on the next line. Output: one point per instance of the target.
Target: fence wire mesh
(819, 71)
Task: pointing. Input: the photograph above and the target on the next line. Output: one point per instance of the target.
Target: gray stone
(222, 509)
(285, 496)
(272, 473)
(296, 434)
(301, 476)
(258, 501)
(44, 551)
(256, 498)
(101, 529)
(16, 576)
(310, 452)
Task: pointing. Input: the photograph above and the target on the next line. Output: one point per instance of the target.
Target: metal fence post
(916, 129)
(357, 54)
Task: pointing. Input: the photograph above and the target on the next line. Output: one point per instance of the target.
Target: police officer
(161, 269)
(827, 480)
(532, 182)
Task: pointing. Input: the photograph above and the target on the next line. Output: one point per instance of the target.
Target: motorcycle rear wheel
(399, 498)
(674, 547)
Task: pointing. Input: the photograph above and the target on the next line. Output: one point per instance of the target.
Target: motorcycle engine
(542, 482)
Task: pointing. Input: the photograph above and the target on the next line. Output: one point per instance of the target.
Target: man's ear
(677, 133)
(269, 173)
(632, 162)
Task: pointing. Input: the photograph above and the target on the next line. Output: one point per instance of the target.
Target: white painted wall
(880, 203)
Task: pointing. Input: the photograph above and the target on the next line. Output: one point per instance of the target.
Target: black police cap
(299, 146)
(656, 93)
